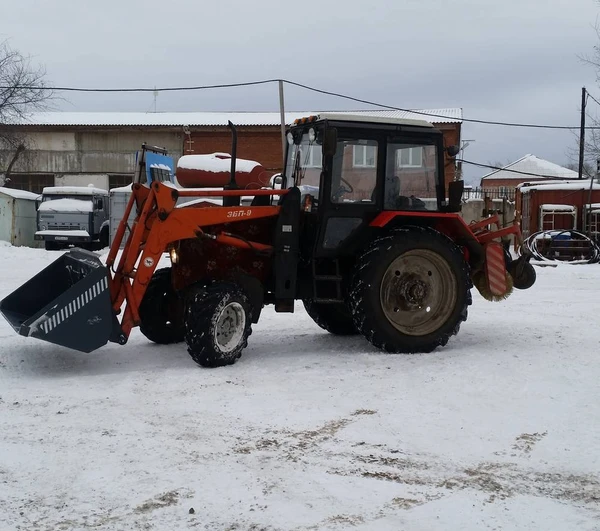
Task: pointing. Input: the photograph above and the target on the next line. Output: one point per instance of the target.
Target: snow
(73, 190)
(71, 233)
(188, 119)
(499, 430)
(122, 189)
(530, 164)
(18, 194)
(568, 185)
(66, 205)
(557, 208)
(215, 163)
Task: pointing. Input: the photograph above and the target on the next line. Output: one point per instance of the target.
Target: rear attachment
(68, 304)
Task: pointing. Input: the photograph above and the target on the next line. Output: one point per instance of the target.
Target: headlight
(43, 227)
(174, 255)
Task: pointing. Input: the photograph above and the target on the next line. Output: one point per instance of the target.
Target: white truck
(73, 215)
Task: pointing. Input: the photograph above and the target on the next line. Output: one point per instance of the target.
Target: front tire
(161, 310)
(218, 321)
(410, 291)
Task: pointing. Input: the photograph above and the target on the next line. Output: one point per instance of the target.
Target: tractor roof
(365, 118)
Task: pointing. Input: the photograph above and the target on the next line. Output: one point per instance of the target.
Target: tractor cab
(351, 167)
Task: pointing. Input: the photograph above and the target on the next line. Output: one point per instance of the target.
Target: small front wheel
(217, 323)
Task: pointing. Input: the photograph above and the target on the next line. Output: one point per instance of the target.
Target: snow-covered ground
(500, 430)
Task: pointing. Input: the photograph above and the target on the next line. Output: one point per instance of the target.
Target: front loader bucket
(67, 304)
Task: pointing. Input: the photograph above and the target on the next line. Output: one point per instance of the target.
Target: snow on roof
(18, 194)
(580, 184)
(557, 208)
(73, 190)
(215, 162)
(66, 205)
(370, 117)
(531, 164)
(182, 119)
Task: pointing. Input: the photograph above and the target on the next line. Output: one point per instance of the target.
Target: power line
(471, 120)
(162, 89)
(590, 96)
(512, 171)
(317, 90)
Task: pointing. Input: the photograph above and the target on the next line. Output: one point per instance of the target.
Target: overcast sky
(515, 60)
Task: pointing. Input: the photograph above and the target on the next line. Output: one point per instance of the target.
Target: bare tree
(23, 90)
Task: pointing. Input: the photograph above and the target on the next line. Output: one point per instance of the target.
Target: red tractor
(362, 230)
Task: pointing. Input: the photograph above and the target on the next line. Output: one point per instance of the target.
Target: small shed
(556, 205)
(18, 221)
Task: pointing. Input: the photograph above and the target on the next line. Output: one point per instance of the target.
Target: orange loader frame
(159, 223)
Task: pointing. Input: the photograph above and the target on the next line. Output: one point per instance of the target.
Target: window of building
(410, 157)
(365, 156)
(118, 181)
(30, 182)
(354, 173)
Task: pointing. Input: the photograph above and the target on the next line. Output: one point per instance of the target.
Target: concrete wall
(98, 180)
(472, 210)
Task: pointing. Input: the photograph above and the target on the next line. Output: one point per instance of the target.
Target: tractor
(360, 227)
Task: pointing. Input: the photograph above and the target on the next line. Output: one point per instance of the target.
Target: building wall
(263, 144)
(80, 156)
(511, 184)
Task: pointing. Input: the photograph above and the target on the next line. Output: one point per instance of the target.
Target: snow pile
(215, 163)
(18, 194)
(557, 208)
(73, 190)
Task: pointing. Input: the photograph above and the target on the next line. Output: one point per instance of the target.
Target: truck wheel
(161, 310)
(410, 291)
(104, 238)
(218, 321)
(335, 318)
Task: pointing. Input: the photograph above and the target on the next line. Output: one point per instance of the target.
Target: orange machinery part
(200, 171)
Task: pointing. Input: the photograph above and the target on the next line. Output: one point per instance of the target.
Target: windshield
(80, 197)
(304, 163)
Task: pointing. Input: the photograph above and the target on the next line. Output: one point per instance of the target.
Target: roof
(579, 184)
(530, 164)
(364, 117)
(182, 119)
(18, 194)
(73, 190)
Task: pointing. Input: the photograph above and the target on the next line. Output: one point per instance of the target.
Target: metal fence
(492, 193)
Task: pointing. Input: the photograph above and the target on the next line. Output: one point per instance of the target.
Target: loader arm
(160, 223)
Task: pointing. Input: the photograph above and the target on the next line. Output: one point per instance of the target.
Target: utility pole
(582, 132)
(282, 115)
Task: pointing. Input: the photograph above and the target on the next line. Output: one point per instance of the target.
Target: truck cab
(73, 215)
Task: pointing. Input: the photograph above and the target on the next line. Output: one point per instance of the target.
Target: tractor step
(67, 303)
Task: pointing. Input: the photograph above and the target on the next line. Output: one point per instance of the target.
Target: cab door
(349, 192)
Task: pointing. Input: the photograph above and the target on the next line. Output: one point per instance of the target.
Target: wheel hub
(231, 323)
(418, 292)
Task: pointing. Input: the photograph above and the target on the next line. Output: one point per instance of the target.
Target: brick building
(81, 148)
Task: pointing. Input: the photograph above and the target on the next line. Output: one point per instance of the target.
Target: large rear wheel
(218, 321)
(410, 291)
(161, 310)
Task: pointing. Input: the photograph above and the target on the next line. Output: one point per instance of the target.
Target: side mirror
(455, 192)
(329, 142)
(452, 151)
